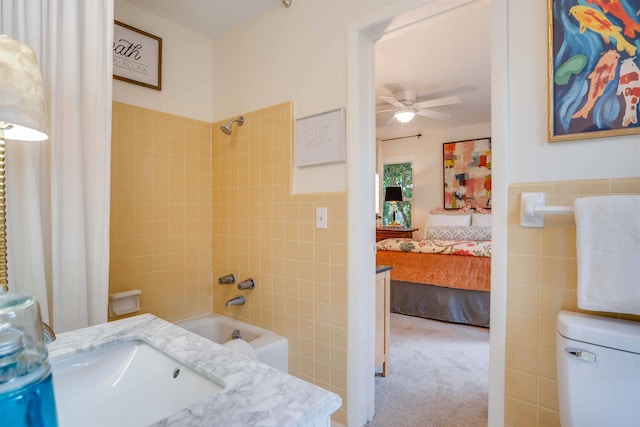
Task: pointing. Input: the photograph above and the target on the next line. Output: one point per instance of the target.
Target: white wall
(295, 54)
(426, 154)
(187, 63)
(531, 157)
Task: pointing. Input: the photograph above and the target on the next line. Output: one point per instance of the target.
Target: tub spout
(238, 300)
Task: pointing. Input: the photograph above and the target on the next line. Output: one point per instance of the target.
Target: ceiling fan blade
(391, 119)
(383, 119)
(391, 100)
(438, 102)
(386, 111)
(433, 114)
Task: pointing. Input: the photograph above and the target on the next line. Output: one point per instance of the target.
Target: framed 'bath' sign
(137, 56)
(594, 79)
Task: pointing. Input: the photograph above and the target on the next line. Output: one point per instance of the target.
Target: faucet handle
(229, 279)
(247, 284)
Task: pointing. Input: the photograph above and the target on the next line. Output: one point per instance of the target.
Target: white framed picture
(320, 138)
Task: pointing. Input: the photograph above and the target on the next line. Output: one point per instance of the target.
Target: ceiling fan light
(404, 116)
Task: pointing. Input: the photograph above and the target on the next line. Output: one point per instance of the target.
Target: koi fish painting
(594, 76)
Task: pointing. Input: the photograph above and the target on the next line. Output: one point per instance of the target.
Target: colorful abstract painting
(593, 68)
(467, 173)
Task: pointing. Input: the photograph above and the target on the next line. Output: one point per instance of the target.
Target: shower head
(226, 129)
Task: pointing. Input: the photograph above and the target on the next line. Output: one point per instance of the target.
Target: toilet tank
(598, 370)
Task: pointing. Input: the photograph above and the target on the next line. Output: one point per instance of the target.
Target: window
(398, 175)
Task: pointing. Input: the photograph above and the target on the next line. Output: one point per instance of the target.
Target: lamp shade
(22, 107)
(404, 116)
(393, 194)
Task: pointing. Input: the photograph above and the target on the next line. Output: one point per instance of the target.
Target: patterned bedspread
(431, 246)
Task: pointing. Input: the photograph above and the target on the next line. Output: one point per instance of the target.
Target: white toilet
(598, 370)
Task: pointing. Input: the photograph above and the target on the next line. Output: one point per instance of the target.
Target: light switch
(321, 217)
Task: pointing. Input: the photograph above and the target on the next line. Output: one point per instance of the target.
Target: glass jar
(26, 387)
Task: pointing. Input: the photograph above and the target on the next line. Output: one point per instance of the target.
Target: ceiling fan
(406, 106)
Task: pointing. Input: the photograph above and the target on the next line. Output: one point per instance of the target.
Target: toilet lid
(599, 330)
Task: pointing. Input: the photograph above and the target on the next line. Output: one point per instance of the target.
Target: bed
(445, 274)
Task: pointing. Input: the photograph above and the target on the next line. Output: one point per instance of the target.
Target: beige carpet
(439, 375)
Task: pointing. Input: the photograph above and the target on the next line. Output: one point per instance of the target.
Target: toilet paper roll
(241, 346)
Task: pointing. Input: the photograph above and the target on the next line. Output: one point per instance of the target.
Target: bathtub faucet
(238, 300)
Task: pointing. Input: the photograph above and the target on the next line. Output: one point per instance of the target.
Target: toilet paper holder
(121, 303)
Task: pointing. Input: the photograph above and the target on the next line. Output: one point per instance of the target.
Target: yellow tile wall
(161, 211)
(541, 281)
(189, 203)
(262, 231)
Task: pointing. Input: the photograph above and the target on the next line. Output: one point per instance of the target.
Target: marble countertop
(255, 394)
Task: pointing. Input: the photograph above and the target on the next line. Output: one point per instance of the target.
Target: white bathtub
(270, 348)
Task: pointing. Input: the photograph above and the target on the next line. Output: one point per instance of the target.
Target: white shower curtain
(58, 190)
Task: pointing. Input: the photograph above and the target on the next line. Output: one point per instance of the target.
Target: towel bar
(533, 209)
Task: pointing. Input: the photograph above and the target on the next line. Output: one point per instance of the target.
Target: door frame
(361, 148)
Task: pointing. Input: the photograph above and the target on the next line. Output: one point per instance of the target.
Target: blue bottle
(26, 387)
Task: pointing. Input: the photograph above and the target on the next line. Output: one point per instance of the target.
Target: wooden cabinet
(383, 282)
(394, 233)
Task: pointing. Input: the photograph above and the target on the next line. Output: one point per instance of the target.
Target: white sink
(125, 384)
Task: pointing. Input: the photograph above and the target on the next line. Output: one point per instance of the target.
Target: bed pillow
(448, 219)
(444, 232)
(481, 220)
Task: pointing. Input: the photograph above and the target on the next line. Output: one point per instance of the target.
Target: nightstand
(383, 324)
(394, 233)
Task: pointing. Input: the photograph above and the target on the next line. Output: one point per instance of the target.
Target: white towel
(608, 251)
(241, 346)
